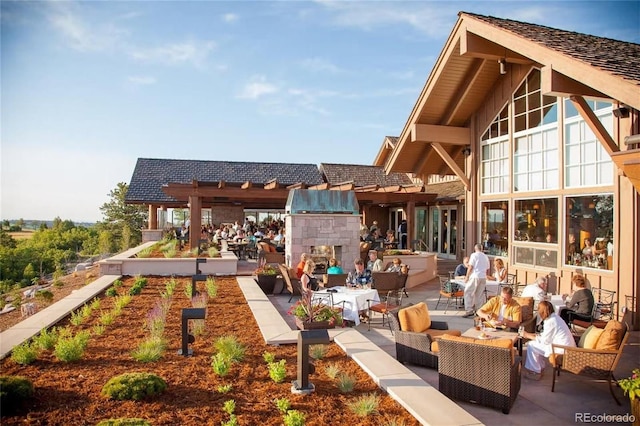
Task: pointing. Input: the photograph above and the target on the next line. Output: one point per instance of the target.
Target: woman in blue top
(334, 268)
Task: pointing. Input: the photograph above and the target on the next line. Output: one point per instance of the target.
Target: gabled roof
(150, 174)
(362, 175)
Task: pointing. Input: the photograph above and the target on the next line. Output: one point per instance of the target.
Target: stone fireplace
(323, 224)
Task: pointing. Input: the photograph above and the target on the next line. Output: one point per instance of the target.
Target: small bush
(294, 418)
(122, 301)
(98, 330)
(24, 354)
(332, 370)
(111, 292)
(86, 311)
(58, 283)
(107, 318)
(133, 386)
(46, 339)
(76, 318)
(278, 370)
(69, 349)
(283, 404)
(95, 304)
(221, 364)
(44, 295)
(268, 357)
(212, 287)
(149, 350)
(318, 351)
(145, 253)
(233, 421)
(365, 405)
(229, 406)
(117, 283)
(346, 383)
(393, 422)
(13, 391)
(213, 252)
(224, 388)
(229, 346)
(124, 422)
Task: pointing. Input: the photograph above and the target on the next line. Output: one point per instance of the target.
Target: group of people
(374, 234)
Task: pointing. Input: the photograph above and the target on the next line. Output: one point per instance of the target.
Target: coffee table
(497, 334)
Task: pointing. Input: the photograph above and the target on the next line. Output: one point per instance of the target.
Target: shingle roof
(151, 173)
(616, 57)
(362, 175)
(447, 191)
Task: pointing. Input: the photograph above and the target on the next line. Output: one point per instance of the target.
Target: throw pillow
(591, 338)
(611, 336)
(415, 318)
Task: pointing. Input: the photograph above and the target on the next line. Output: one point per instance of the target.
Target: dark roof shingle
(362, 175)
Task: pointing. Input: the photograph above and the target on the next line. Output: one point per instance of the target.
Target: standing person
(374, 264)
(476, 280)
(300, 267)
(461, 269)
(555, 331)
(580, 304)
(402, 233)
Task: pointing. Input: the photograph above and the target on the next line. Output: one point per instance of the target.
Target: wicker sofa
(487, 375)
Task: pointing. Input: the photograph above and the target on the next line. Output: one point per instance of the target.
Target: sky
(89, 87)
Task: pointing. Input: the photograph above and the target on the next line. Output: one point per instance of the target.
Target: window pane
(520, 106)
(534, 101)
(534, 119)
(524, 255)
(569, 109)
(550, 114)
(572, 176)
(589, 233)
(520, 123)
(495, 225)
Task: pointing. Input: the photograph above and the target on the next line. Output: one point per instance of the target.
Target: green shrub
(346, 383)
(133, 386)
(121, 302)
(229, 346)
(124, 422)
(332, 370)
(283, 404)
(98, 330)
(24, 354)
(149, 350)
(213, 252)
(86, 311)
(365, 405)
(111, 292)
(46, 339)
(76, 318)
(95, 304)
(13, 391)
(294, 418)
(58, 283)
(318, 351)
(224, 388)
(107, 318)
(117, 283)
(229, 406)
(71, 349)
(44, 295)
(212, 287)
(268, 357)
(221, 364)
(233, 421)
(278, 370)
(145, 253)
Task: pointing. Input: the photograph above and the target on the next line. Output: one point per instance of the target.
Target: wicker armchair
(486, 375)
(413, 347)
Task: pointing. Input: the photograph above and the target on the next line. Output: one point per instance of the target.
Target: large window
(536, 232)
(495, 225)
(495, 155)
(589, 239)
(586, 161)
(531, 108)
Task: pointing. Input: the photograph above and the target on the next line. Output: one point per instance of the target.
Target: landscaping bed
(69, 393)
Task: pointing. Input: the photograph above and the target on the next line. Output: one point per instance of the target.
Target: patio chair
(487, 372)
(598, 362)
(335, 280)
(390, 294)
(415, 347)
(293, 284)
(602, 312)
(449, 290)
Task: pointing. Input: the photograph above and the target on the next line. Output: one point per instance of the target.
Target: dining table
(496, 333)
(355, 300)
(491, 286)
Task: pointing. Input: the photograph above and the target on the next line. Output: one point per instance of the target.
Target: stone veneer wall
(306, 230)
(227, 214)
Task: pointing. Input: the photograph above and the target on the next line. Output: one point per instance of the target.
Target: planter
(267, 283)
(314, 325)
(635, 410)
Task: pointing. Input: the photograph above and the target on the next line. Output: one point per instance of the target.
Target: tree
(124, 221)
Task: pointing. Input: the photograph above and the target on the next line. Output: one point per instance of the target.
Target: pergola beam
(451, 135)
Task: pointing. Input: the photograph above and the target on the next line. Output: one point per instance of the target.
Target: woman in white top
(499, 271)
(539, 348)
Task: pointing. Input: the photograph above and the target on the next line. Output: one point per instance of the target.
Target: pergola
(272, 195)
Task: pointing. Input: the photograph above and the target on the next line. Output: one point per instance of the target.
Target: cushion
(611, 336)
(590, 337)
(434, 344)
(498, 343)
(415, 318)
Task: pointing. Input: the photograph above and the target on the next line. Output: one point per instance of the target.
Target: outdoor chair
(415, 347)
(596, 356)
(602, 312)
(334, 280)
(390, 294)
(450, 290)
(487, 372)
(293, 284)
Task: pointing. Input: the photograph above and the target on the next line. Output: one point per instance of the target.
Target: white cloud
(195, 52)
(320, 65)
(141, 80)
(230, 17)
(257, 87)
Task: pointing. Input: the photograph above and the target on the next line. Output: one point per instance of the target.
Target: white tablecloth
(492, 286)
(354, 301)
(558, 303)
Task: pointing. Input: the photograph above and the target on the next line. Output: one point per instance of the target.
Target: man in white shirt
(476, 280)
(537, 289)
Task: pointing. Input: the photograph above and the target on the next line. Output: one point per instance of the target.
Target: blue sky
(89, 87)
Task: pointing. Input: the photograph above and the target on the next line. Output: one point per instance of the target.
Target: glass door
(444, 230)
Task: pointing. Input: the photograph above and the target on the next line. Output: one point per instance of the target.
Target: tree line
(52, 249)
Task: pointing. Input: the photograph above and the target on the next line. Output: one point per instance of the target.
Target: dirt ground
(69, 393)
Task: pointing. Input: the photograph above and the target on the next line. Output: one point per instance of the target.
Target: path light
(198, 276)
(305, 367)
(189, 314)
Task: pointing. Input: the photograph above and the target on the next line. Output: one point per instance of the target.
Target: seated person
(404, 269)
(390, 240)
(374, 264)
(580, 304)
(395, 265)
(309, 282)
(334, 268)
(461, 269)
(555, 331)
(537, 290)
(300, 267)
(361, 276)
(502, 310)
(499, 271)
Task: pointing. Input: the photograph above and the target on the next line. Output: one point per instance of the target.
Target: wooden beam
(452, 164)
(246, 185)
(391, 188)
(299, 185)
(479, 47)
(367, 188)
(552, 83)
(347, 186)
(458, 99)
(442, 134)
(272, 184)
(320, 186)
(594, 124)
(412, 189)
(221, 184)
